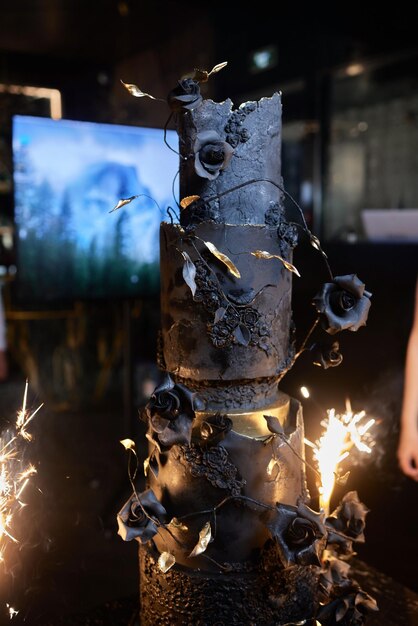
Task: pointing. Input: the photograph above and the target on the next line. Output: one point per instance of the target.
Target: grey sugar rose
(326, 354)
(186, 96)
(212, 154)
(343, 304)
(170, 412)
(299, 532)
(349, 517)
(140, 517)
(214, 429)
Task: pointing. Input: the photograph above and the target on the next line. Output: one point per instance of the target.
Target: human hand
(408, 453)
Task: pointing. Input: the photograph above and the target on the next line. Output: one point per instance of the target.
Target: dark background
(93, 362)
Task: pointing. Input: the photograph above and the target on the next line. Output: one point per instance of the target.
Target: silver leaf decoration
(242, 335)
(219, 314)
(205, 537)
(166, 561)
(123, 202)
(273, 463)
(179, 525)
(274, 425)
(218, 68)
(189, 272)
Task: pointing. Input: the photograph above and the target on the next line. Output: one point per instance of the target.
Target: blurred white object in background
(399, 225)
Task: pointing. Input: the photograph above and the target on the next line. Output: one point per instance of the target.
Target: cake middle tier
(231, 479)
(230, 328)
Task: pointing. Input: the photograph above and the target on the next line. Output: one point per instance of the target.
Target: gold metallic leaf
(146, 466)
(317, 245)
(188, 200)
(166, 561)
(189, 272)
(128, 444)
(134, 90)
(122, 202)
(153, 441)
(290, 267)
(153, 464)
(262, 254)
(205, 536)
(179, 525)
(315, 242)
(223, 258)
(218, 68)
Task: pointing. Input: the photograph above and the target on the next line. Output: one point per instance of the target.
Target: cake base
(253, 593)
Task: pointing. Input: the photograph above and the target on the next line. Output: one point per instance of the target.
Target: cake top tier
(230, 159)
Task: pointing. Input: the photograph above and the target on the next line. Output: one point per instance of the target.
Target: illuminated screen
(67, 177)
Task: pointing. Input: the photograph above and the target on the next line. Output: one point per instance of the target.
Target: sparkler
(342, 433)
(15, 476)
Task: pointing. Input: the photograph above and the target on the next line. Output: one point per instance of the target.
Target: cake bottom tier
(251, 594)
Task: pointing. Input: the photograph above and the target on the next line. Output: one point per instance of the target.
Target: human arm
(408, 442)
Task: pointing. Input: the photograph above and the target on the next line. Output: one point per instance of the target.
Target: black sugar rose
(201, 211)
(170, 412)
(299, 532)
(221, 332)
(140, 517)
(288, 233)
(344, 304)
(326, 354)
(250, 317)
(164, 402)
(333, 574)
(212, 154)
(349, 607)
(220, 335)
(214, 429)
(344, 602)
(339, 543)
(186, 96)
(349, 517)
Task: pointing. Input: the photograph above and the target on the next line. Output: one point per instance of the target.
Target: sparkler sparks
(14, 475)
(341, 434)
(11, 611)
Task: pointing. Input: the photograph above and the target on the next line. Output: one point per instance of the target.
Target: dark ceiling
(73, 44)
(92, 30)
(106, 31)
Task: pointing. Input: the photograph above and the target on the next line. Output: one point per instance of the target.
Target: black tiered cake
(225, 529)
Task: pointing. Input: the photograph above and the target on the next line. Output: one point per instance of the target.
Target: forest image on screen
(67, 177)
